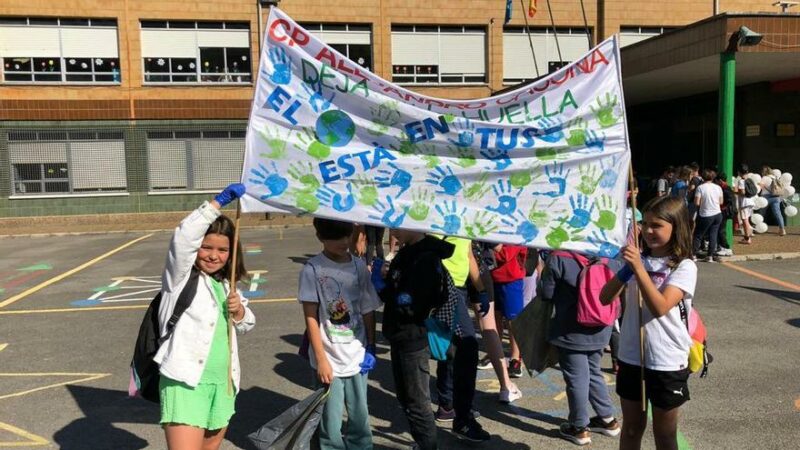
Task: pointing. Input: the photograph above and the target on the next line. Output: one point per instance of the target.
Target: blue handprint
(449, 183)
(451, 216)
(552, 130)
(521, 226)
(316, 98)
(466, 134)
(499, 156)
(282, 66)
(275, 183)
(507, 202)
(608, 179)
(336, 200)
(580, 215)
(557, 177)
(594, 142)
(386, 218)
(605, 249)
(399, 178)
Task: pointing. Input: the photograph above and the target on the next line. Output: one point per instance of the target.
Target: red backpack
(594, 275)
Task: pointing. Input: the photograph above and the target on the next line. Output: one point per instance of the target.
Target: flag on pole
(543, 165)
(509, 4)
(532, 8)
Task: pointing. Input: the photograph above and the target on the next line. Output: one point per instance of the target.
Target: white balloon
(761, 228)
(757, 219)
(790, 211)
(756, 178)
(776, 173)
(788, 191)
(786, 178)
(760, 202)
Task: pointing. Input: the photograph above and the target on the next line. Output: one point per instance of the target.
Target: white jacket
(183, 355)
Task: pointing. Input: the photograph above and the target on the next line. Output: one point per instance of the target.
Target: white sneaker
(510, 396)
(724, 252)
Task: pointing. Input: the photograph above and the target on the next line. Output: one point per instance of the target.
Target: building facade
(141, 106)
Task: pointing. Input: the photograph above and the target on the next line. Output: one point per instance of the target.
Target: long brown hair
(224, 226)
(673, 210)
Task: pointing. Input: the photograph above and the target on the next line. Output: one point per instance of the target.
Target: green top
(458, 264)
(216, 371)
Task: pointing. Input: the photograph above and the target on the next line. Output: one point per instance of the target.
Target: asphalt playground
(70, 307)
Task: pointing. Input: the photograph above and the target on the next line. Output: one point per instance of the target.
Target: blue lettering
(274, 100)
(364, 160)
(528, 134)
(431, 124)
(485, 133)
(328, 171)
(381, 154)
(288, 113)
(343, 164)
(512, 140)
(415, 132)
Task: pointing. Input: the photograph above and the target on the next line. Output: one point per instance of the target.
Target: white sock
(607, 419)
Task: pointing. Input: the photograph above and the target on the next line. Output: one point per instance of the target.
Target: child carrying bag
(594, 274)
(441, 324)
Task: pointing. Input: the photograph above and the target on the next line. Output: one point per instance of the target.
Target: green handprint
(430, 157)
(541, 217)
(311, 145)
(305, 176)
(449, 118)
(605, 111)
(385, 116)
(550, 153)
(608, 217)
(577, 132)
(521, 178)
(367, 193)
(559, 235)
(481, 225)
(406, 146)
(590, 178)
(477, 190)
(465, 156)
(276, 143)
(306, 201)
(421, 202)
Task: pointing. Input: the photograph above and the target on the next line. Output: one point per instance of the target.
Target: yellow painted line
(32, 439)
(560, 396)
(3, 347)
(70, 272)
(92, 376)
(112, 308)
(797, 404)
(761, 276)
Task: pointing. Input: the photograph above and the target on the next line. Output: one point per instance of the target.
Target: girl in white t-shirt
(666, 276)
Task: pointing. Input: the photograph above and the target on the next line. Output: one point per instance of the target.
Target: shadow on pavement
(255, 407)
(102, 408)
(787, 296)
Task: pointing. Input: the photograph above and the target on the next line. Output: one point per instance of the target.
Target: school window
(438, 54)
(196, 52)
(194, 160)
(518, 60)
(59, 50)
(67, 162)
(632, 34)
(352, 40)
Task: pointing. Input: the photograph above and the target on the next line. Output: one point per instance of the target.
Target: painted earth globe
(335, 128)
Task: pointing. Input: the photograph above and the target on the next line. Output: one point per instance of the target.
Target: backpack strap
(184, 300)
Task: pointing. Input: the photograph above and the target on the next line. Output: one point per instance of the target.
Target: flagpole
(530, 41)
(232, 287)
(632, 185)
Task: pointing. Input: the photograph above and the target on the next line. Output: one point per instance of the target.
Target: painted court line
(112, 308)
(70, 272)
(32, 439)
(87, 377)
(763, 277)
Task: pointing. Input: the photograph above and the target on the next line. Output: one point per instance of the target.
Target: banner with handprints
(544, 165)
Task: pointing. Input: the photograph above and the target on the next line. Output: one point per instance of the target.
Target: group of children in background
(340, 292)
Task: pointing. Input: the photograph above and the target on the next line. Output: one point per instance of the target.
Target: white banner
(543, 166)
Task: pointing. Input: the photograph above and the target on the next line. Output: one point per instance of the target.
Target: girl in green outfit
(197, 359)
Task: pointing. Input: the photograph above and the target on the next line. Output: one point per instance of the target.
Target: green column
(727, 96)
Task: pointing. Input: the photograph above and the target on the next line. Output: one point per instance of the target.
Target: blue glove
(376, 277)
(625, 274)
(230, 193)
(369, 360)
(483, 298)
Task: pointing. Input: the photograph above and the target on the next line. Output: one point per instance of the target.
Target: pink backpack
(594, 275)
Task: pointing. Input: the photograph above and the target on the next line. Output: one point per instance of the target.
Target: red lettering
(297, 35)
(273, 30)
(327, 54)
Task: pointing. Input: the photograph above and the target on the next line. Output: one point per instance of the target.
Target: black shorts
(665, 390)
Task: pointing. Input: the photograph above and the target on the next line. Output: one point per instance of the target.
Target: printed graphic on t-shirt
(339, 323)
(658, 278)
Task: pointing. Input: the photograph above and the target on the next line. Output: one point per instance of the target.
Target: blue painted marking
(86, 302)
(254, 294)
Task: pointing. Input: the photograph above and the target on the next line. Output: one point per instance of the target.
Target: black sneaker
(598, 425)
(578, 436)
(515, 368)
(471, 431)
(485, 363)
(444, 415)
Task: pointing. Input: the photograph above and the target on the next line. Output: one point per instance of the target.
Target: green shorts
(207, 406)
